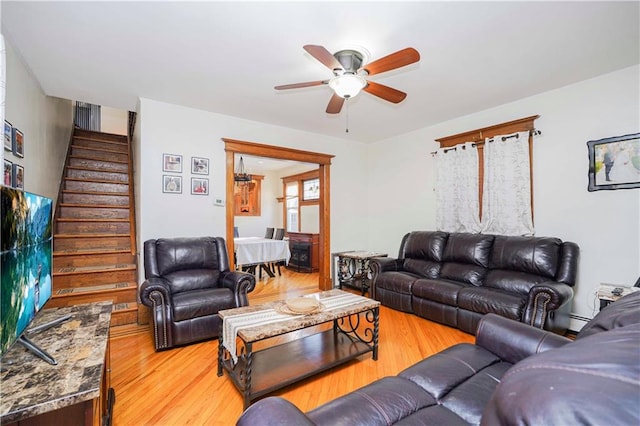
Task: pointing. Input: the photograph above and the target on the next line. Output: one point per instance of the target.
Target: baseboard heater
(576, 322)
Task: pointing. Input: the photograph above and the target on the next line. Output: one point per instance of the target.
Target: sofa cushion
(178, 254)
(466, 257)
(193, 279)
(442, 291)
(399, 282)
(472, 249)
(594, 380)
(533, 255)
(200, 303)
(485, 300)
(378, 403)
(461, 378)
(512, 281)
(425, 245)
(423, 268)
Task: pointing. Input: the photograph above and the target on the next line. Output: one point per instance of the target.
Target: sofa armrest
(543, 298)
(273, 411)
(378, 265)
(240, 283)
(154, 292)
(513, 341)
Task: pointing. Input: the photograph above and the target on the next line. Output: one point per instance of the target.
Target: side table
(607, 296)
(353, 269)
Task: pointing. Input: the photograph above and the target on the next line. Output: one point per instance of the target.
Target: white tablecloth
(256, 250)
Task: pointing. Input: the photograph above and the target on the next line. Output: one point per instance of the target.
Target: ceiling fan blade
(395, 60)
(385, 92)
(335, 104)
(299, 85)
(323, 55)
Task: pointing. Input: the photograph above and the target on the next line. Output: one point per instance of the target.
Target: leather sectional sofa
(514, 374)
(457, 278)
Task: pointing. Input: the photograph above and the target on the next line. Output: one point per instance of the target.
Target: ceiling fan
(349, 74)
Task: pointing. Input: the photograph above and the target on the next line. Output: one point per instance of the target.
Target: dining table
(252, 252)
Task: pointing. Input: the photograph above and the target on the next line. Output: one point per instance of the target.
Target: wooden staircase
(94, 250)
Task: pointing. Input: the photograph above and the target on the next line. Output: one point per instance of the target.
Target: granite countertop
(30, 386)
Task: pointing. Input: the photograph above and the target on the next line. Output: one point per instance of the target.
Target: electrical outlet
(218, 202)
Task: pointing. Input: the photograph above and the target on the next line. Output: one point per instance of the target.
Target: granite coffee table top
(30, 386)
(337, 304)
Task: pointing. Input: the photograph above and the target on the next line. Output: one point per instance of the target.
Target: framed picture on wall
(18, 143)
(614, 163)
(172, 184)
(18, 176)
(172, 163)
(8, 136)
(7, 173)
(199, 166)
(200, 186)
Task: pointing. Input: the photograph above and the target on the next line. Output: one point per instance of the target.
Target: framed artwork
(18, 143)
(200, 186)
(172, 163)
(8, 136)
(614, 163)
(18, 176)
(199, 166)
(171, 184)
(7, 173)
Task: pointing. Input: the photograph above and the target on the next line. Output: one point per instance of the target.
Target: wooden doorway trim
(233, 146)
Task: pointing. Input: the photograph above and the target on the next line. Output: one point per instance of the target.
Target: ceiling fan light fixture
(347, 85)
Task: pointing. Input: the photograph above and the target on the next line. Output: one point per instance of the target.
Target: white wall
(167, 128)
(46, 123)
(113, 120)
(605, 224)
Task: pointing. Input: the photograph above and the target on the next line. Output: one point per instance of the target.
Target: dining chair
(269, 233)
(236, 233)
(279, 235)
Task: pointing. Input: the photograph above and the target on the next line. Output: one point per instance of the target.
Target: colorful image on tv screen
(25, 261)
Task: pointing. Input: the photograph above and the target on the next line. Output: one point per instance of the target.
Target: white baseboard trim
(576, 322)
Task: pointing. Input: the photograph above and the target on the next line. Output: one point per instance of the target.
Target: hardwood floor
(180, 386)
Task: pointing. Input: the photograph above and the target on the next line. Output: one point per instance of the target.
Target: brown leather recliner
(187, 282)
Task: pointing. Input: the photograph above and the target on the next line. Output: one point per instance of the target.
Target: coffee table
(256, 373)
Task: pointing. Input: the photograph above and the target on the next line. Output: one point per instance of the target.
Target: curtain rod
(534, 132)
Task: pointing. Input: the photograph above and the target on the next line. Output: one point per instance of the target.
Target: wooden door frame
(233, 146)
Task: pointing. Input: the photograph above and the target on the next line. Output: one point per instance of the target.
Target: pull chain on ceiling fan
(349, 74)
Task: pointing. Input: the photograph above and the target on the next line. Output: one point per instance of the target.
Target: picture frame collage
(13, 172)
(172, 183)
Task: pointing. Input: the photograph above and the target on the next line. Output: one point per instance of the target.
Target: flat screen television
(25, 261)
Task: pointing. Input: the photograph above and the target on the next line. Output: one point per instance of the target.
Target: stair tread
(86, 252)
(85, 235)
(75, 191)
(96, 169)
(101, 140)
(122, 286)
(95, 180)
(90, 220)
(94, 206)
(68, 270)
(91, 148)
(113, 160)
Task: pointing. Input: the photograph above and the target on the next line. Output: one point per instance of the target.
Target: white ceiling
(225, 57)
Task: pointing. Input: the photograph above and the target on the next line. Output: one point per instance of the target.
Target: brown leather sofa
(514, 374)
(457, 278)
(187, 282)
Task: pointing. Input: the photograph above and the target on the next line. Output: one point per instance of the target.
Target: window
(311, 189)
(291, 197)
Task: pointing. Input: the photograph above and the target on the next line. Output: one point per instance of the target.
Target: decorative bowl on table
(301, 305)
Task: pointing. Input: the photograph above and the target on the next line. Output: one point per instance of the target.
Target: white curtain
(457, 189)
(506, 198)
